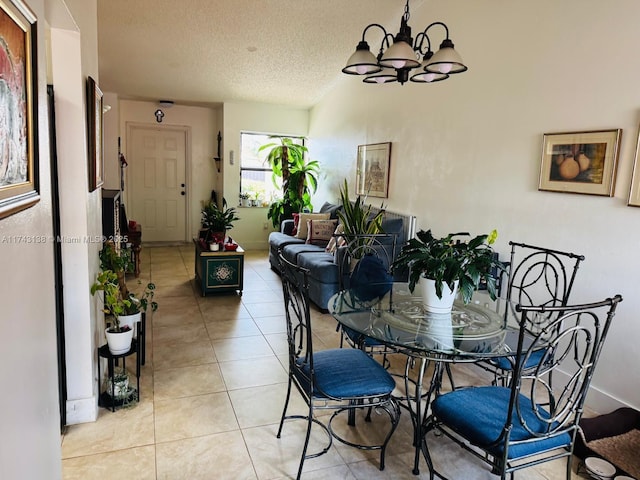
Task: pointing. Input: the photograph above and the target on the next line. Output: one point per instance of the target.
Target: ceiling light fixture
(402, 55)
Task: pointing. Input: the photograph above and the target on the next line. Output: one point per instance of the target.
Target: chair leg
(306, 441)
(284, 410)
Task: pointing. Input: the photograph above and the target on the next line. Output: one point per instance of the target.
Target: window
(255, 172)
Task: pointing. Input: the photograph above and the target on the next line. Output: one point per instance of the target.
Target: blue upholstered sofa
(323, 267)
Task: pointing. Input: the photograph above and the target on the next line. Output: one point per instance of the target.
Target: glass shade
(386, 75)
(399, 55)
(362, 62)
(446, 60)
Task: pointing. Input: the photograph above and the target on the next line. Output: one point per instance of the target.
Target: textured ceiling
(286, 52)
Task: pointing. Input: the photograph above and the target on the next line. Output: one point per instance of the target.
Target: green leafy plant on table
(448, 259)
(218, 220)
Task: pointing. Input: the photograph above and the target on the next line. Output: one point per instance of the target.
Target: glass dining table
(470, 333)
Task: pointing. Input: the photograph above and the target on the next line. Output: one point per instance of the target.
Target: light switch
(231, 157)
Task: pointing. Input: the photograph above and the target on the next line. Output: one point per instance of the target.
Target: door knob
(182, 185)
(182, 193)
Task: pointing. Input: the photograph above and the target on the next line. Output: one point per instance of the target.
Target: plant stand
(220, 271)
(109, 400)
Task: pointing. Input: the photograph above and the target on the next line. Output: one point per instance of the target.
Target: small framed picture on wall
(372, 170)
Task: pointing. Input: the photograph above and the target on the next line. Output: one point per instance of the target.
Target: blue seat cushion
(508, 362)
(346, 373)
(479, 415)
(370, 279)
(321, 266)
(278, 240)
(291, 252)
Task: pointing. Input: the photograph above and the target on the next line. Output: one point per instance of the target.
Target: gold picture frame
(19, 181)
(94, 134)
(634, 190)
(580, 162)
(372, 170)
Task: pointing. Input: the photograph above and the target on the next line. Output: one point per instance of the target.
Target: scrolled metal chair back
(295, 288)
(573, 343)
(541, 277)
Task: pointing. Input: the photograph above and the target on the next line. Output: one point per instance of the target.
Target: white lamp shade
(400, 55)
(428, 77)
(362, 62)
(386, 75)
(446, 61)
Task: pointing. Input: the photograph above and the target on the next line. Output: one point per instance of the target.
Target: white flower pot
(430, 299)
(119, 342)
(130, 320)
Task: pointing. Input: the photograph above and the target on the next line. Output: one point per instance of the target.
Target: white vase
(119, 342)
(430, 299)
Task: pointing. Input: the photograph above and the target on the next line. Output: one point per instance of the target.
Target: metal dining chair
(537, 277)
(342, 379)
(529, 422)
(364, 266)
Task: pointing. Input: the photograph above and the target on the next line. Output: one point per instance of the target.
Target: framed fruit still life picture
(580, 162)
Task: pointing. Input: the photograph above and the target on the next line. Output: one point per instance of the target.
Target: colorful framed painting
(372, 171)
(94, 133)
(18, 108)
(580, 162)
(634, 192)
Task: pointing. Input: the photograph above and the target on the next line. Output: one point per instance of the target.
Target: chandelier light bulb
(445, 67)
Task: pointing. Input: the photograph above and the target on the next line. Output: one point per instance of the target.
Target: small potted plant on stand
(217, 221)
(442, 266)
(118, 336)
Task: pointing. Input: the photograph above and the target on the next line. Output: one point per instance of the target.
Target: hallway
(212, 393)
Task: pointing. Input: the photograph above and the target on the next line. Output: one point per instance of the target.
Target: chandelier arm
(420, 38)
(446, 29)
(385, 39)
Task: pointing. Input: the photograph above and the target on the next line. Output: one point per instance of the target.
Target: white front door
(156, 182)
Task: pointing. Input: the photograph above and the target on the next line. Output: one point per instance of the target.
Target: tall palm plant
(299, 178)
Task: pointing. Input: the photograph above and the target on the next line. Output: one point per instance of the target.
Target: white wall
(466, 152)
(203, 125)
(250, 231)
(111, 133)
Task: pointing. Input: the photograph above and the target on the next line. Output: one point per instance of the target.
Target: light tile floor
(212, 393)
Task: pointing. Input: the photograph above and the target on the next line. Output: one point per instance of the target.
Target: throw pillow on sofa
(337, 240)
(302, 222)
(319, 232)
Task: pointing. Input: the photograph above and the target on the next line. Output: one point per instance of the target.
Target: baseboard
(82, 410)
(597, 401)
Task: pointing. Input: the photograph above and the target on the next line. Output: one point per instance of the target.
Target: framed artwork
(372, 170)
(580, 162)
(19, 181)
(94, 133)
(634, 192)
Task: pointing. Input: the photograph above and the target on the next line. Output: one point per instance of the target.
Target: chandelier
(403, 58)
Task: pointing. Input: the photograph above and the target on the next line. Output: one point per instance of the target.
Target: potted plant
(244, 199)
(444, 265)
(217, 221)
(118, 336)
(123, 310)
(298, 178)
(357, 219)
(137, 304)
